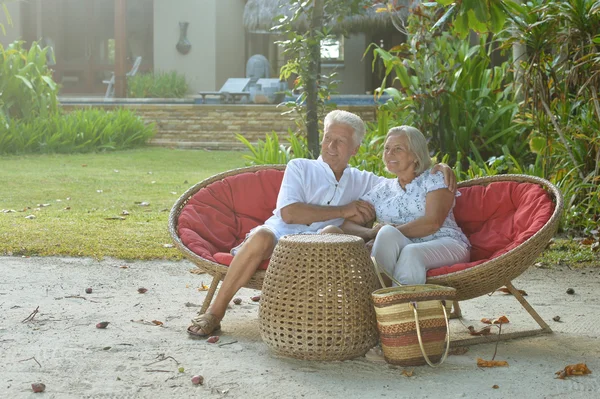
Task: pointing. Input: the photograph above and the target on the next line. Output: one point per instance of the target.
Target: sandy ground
(77, 360)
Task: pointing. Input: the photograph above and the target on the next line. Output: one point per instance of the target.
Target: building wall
(199, 65)
(230, 37)
(14, 31)
(354, 72)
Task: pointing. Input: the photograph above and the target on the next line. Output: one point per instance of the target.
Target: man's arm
(449, 177)
(301, 213)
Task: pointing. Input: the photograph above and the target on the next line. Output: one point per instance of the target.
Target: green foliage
(481, 16)
(445, 88)
(271, 151)
(26, 87)
(77, 132)
(157, 85)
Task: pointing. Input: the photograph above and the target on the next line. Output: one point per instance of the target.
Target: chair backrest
(135, 67)
(235, 85)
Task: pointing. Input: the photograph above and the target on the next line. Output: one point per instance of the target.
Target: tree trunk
(314, 56)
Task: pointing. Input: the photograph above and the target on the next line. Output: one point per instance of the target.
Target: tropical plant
(446, 88)
(271, 151)
(157, 85)
(26, 86)
(77, 132)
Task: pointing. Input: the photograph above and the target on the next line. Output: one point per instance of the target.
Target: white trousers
(408, 262)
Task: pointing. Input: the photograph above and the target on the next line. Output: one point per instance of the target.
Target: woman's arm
(437, 206)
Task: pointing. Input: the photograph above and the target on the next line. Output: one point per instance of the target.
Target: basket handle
(414, 308)
(378, 272)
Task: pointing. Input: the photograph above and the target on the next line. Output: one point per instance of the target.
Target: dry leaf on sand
(573, 369)
(491, 363)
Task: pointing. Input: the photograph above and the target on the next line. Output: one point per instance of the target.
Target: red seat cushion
(218, 217)
(497, 218)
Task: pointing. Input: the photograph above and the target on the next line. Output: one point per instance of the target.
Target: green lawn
(88, 193)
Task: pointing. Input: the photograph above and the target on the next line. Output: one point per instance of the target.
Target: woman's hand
(449, 176)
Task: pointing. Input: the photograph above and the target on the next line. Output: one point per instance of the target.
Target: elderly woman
(417, 230)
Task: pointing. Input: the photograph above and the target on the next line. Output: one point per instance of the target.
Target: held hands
(359, 211)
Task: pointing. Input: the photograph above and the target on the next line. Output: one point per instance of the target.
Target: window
(332, 49)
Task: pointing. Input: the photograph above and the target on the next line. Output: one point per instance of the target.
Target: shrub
(77, 132)
(26, 86)
(157, 85)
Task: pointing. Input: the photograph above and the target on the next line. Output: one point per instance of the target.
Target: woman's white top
(396, 205)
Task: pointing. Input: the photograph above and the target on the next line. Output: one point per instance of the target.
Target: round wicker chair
(216, 270)
(469, 283)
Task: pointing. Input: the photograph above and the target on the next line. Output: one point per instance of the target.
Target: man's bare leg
(257, 248)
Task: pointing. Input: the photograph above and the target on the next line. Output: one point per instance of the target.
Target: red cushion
(497, 218)
(219, 216)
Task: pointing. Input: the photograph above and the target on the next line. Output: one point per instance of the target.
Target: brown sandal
(207, 324)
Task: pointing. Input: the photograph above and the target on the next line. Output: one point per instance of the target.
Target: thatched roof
(259, 16)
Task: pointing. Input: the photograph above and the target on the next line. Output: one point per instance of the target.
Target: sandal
(207, 324)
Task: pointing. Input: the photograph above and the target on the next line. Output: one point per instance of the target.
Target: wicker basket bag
(413, 323)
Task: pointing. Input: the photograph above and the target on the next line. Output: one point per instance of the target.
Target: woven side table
(316, 298)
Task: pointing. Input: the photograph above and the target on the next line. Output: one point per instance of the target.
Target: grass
(87, 195)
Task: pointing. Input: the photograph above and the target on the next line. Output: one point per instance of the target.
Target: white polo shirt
(313, 182)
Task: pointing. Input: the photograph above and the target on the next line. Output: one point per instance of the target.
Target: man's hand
(449, 177)
(360, 212)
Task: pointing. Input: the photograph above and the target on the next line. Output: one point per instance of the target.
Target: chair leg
(515, 292)
(545, 328)
(210, 293)
(456, 312)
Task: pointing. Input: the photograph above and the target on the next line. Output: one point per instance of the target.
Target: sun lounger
(232, 91)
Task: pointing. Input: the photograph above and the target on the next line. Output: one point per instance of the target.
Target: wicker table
(316, 298)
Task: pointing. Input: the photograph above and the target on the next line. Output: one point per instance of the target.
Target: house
(85, 37)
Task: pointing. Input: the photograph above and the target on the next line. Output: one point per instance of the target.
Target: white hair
(417, 144)
(340, 117)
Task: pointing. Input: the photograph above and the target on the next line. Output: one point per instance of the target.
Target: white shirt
(395, 205)
(313, 182)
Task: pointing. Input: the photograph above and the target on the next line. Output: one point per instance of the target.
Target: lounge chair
(110, 90)
(232, 90)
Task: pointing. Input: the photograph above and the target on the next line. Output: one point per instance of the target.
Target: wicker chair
(469, 283)
(495, 273)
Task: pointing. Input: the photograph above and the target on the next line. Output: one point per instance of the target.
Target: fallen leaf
(125, 213)
(587, 241)
(168, 245)
(83, 165)
(142, 203)
(495, 386)
(8, 211)
(142, 290)
(116, 171)
(124, 267)
(30, 217)
(102, 324)
(255, 298)
(213, 339)
(68, 208)
(595, 246)
(506, 291)
(573, 369)
(99, 191)
(173, 192)
(407, 373)
(115, 218)
(38, 387)
(491, 363)
(483, 331)
(157, 322)
(499, 320)
(43, 205)
(203, 287)
(556, 318)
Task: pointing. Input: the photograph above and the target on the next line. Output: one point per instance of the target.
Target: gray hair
(417, 144)
(340, 117)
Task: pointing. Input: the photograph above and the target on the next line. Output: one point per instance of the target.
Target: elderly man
(313, 194)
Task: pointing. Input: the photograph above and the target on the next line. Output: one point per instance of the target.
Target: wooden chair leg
(456, 312)
(545, 328)
(210, 293)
